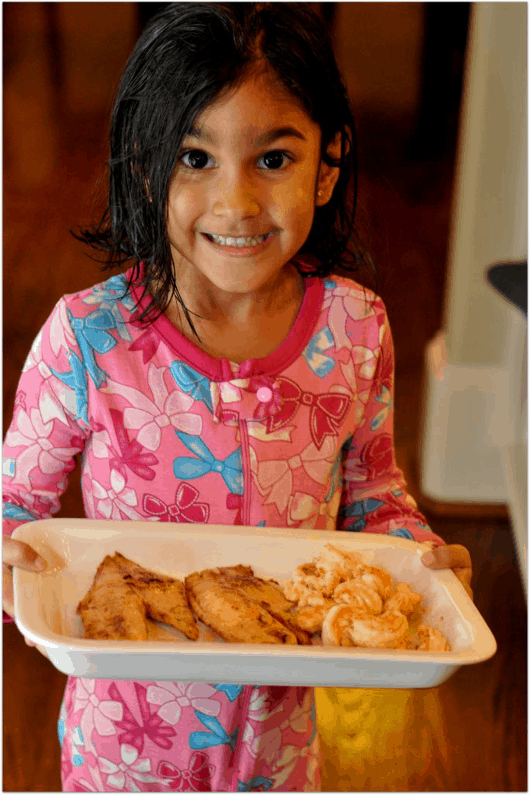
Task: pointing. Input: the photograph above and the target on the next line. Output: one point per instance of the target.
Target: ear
(328, 175)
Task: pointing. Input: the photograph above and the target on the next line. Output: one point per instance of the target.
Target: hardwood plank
(32, 696)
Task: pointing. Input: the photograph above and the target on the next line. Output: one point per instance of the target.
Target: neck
(244, 325)
(212, 307)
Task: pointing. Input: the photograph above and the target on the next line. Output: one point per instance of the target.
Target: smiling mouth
(238, 242)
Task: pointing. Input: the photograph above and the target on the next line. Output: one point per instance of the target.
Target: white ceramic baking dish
(45, 606)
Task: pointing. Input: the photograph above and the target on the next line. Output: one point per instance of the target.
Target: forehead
(253, 110)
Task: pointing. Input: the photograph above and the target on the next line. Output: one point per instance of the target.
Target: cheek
(295, 200)
(184, 208)
(190, 202)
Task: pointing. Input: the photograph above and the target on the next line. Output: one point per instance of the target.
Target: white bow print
(98, 715)
(129, 769)
(116, 498)
(274, 478)
(150, 416)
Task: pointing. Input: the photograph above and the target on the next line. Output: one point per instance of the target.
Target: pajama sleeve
(374, 496)
(49, 426)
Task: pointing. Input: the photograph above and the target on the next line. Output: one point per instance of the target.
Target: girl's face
(242, 198)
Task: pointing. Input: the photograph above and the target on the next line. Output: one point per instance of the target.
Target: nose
(236, 198)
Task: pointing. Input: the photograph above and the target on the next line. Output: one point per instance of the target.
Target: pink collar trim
(220, 369)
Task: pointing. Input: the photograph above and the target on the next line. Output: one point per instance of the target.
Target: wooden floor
(467, 735)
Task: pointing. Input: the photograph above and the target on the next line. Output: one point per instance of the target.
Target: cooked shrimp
(342, 562)
(360, 595)
(338, 619)
(430, 639)
(294, 591)
(376, 578)
(403, 599)
(309, 577)
(387, 631)
(312, 616)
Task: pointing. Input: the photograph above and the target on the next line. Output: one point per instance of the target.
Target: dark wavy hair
(187, 56)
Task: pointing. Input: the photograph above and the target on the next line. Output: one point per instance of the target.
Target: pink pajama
(300, 438)
(167, 737)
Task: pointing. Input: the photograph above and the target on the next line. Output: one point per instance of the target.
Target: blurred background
(438, 89)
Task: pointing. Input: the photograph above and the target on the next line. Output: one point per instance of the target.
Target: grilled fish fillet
(124, 595)
(268, 595)
(112, 609)
(219, 600)
(164, 597)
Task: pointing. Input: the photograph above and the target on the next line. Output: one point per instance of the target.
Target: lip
(235, 251)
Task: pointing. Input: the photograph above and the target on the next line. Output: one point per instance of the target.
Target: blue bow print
(230, 691)
(61, 731)
(8, 467)
(189, 468)
(255, 784)
(335, 477)
(192, 382)
(92, 335)
(109, 295)
(76, 380)
(114, 290)
(12, 511)
(77, 740)
(385, 398)
(314, 354)
(215, 735)
(359, 510)
(401, 532)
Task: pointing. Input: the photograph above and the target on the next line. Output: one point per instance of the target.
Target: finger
(8, 607)
(7, 588)
(28, 641)
(17, 553)
(464, 576)
(447, 557)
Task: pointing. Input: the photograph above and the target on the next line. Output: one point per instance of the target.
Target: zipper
(247, 480)
(240, 735)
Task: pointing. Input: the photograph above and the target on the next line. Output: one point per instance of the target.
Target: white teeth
(238, 242)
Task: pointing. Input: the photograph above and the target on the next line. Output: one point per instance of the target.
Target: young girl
(229, 376)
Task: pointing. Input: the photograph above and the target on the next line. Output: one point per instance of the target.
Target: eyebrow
(264, 139)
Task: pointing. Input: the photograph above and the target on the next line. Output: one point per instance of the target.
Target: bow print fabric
(109, 296)
(315, 353)
(302, 438)
(274, 478)
(196, 778)
(326, 411)
(256, 398)
(191, 468)
(77, 381)
(147, 343)
(186, 508)
(93, 336)
(116, 503)
(192, 382)
(148, 416)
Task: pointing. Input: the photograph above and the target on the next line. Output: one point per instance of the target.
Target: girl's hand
(454, 557)
(17, 553)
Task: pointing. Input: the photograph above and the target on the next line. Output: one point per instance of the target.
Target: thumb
(452, 556)
(17, 553)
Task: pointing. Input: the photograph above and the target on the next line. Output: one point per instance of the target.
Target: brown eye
(195, 158)
(274, 160)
